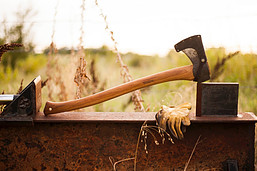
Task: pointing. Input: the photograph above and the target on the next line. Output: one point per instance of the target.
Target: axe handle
(180, 73)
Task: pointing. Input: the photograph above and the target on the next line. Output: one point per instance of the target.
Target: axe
(198, 72)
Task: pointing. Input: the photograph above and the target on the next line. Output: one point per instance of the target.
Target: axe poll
(198, 71)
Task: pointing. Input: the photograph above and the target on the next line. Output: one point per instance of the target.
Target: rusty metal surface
(246, 117)
(136, 117)
(88, 146)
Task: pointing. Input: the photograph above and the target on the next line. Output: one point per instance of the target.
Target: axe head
(193, 48)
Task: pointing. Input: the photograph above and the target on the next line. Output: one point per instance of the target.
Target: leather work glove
(173, 117)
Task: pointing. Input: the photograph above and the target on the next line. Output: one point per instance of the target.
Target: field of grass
(105, 73)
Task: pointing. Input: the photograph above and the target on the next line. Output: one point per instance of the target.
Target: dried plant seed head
(43, 83)
(219, 66)
(8, 47)
(20, 88)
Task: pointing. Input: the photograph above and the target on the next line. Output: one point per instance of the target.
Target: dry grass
(52, 62)
(124, 71)
(81, 77)
(55, 76)
(60, 71)
(144, 131)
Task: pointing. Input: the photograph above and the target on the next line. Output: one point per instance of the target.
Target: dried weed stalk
(81, 77)
(2, 106)
(150, 129)
(191, 155)
(145, 129)
(117, 162)
(136, 95)
(7, 47)
(52, 51)
(219, 66)
(63, 96)
(49, 71)
(86, 83)
(95, 80)
(20, 88)
(95, 85)
(54, 74)
(44, 83)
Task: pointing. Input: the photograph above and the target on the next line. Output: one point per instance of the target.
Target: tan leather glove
(173, 117)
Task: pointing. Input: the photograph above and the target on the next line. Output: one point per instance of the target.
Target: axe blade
(193, 48)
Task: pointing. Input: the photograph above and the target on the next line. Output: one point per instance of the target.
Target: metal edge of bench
(135, 117)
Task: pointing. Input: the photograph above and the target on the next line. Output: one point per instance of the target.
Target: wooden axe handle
(180, 73)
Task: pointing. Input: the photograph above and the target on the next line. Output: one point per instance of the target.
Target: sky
(142, 26)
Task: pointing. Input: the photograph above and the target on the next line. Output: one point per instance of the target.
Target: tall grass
(242, 68)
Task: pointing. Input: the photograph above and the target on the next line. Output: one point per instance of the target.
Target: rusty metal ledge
(136, 117)
(86, 141)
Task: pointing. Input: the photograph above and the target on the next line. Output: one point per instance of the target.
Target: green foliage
(25, 69)
(61, 51)
(8, 75)
(136, 60)
(102, 51)
(32, 63)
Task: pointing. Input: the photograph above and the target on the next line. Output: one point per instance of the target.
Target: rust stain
(88, 146)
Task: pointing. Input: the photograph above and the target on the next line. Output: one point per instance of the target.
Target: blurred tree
(17, 33)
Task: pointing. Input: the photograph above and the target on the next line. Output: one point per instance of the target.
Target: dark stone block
(217, 99)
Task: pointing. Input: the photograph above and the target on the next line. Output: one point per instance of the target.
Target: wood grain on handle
(181, 73)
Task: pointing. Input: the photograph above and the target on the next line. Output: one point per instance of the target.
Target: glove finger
(178, 128)
(183, 128)
(186, 121)
(171, 124)
(161, 120)
(163, 124)
(185, 105)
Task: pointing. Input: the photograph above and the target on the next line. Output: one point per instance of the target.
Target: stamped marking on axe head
(199, 72)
